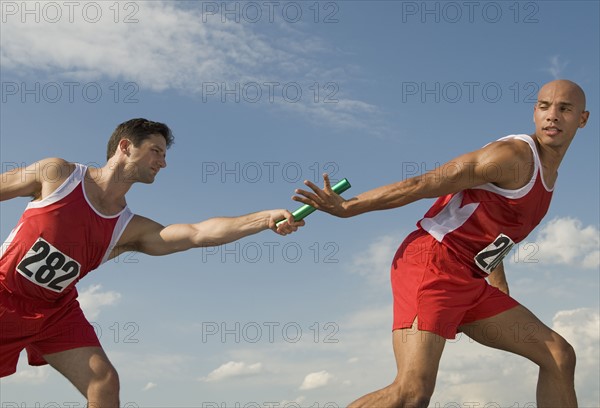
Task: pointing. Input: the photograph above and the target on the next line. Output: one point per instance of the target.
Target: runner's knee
(414, 393)
(105, 383)
(563, 354)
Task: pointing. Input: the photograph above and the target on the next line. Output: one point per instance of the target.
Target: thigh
(81, 366)
(418, 355)
(516, 330)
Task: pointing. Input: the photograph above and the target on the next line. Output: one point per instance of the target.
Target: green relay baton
(306, 209)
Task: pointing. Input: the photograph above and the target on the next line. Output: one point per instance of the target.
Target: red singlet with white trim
(481, 223)
(57, 241)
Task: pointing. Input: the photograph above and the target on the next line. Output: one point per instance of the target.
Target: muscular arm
(36, 180)
(506, 164)
(149, 237)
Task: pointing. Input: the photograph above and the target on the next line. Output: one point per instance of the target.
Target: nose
(552, 114)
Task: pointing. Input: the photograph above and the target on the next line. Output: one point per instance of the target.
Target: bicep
(494, 163)
(149, 237)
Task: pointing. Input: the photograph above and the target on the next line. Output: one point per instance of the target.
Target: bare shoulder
(510, 150)
(54, 169)
(51, 173)
(512, 160)
(36, 180)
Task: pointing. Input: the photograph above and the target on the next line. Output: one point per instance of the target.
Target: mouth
(551, 130)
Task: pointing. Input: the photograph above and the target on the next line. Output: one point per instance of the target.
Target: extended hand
(322, 199)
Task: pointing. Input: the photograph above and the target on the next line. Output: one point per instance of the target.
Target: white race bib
(48, 267)
(491, 256)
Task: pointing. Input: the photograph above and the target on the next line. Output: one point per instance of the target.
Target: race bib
(491, 256)
(48, 267)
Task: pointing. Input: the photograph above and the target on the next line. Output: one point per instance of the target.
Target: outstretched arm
(149, 237)
(506, 164)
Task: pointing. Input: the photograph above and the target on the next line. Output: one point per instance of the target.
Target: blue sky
(260, 96)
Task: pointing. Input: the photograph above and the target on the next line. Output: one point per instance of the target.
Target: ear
(124, 146)
(584, 118)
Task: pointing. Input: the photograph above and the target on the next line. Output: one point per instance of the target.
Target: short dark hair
(137, 130)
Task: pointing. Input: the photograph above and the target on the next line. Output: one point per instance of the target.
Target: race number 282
(492, 255)
(48, 267)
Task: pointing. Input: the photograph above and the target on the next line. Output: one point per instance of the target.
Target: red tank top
(482, 224)
(57, 241)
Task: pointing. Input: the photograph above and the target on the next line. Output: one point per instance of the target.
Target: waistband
(33, 308)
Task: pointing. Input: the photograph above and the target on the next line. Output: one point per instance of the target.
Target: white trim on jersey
(124, 218)
(63, 190)
(520, 192)
(453, 216)
(450, 218)
(108, 217)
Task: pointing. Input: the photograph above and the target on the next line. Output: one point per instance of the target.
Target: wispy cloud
(233, 369)
(316, 380)
(149, 386)
(175, 47)
(92, 300)
(374, 262)
(565, 241)
(28, 375)
(557, 67)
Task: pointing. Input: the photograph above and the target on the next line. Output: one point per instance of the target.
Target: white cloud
(27, 374)
(149, 386)
(316, 380)
(92, 300)
(374, 262)
(556, 67)
(177, 47)
(565, 241)
(233, 369)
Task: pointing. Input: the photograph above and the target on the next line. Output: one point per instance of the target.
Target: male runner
(489, 199)
(79, 219)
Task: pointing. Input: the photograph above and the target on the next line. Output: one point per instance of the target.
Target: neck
(551, 156)
(112, 181)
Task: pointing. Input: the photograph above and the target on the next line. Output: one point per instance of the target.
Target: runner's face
(149, 158)
(558, 113)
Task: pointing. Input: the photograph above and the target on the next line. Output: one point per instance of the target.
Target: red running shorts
(40, 332)
(430, 283)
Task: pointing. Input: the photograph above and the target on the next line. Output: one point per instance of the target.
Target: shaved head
(567, 88)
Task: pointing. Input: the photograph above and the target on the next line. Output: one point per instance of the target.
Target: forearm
(392, 196)
(222, 230)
